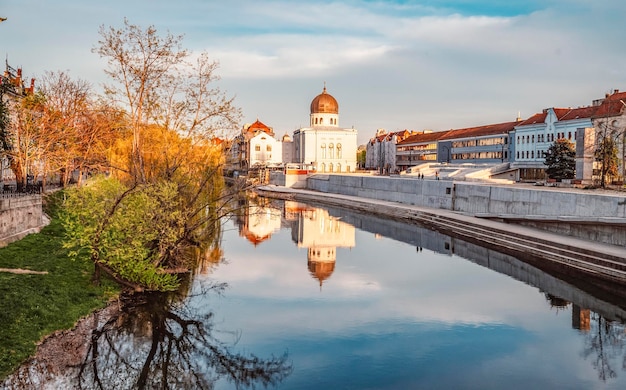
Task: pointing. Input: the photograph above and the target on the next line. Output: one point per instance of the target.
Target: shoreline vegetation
(53, 296)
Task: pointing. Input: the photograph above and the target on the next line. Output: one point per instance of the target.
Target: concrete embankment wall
(560, 211)
(20, 216)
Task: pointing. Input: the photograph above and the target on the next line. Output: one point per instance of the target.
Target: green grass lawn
(33, 306)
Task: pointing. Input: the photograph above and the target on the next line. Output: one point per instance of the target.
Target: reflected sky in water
(390, 314)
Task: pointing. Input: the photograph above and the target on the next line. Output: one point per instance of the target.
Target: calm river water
(329, 299)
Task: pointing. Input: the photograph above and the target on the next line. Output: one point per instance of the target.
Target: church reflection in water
(311, 228)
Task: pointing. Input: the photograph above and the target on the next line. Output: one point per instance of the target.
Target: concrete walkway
(600, 260)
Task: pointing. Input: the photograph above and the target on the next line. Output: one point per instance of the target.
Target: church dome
(324, 103)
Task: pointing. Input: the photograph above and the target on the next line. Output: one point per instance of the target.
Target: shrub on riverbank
(35, 305)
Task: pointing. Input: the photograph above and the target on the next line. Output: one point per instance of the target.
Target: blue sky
(391, 64)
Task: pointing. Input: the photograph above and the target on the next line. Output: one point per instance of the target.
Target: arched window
(323, 167)
(338, 167)
(315, 120)
(324, 150)
(330, 167)
(338, 150)
(331, 149)
(321, 121)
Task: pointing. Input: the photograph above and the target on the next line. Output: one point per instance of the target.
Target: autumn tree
(561, 160)
(606, 155)
(169, 168)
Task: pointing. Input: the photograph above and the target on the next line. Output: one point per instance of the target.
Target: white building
(533, 136)
(324, 144)
(380, 151)
(255, 147)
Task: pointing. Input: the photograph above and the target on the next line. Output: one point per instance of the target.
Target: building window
(338, 150)
(257, 148)
(321, 121)
(331, 149)
(323, 150)
(268, 148)
(315, 120)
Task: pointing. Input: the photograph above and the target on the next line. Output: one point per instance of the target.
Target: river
(307, 297)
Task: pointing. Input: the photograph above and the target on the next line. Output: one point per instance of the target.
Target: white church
(325, 145)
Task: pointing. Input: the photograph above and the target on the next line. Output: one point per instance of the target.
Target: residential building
(381, 150)
(255, 147)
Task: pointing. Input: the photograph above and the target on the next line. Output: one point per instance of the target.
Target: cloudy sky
(405, 64)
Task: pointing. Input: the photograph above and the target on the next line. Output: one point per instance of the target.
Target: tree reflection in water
(605, 342)
(155, 342)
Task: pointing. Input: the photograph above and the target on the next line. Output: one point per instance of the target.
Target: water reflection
(155, 343)
(596, 310)
(402, 306)
(150, 341)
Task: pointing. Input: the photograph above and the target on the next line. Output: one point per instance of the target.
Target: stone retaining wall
(569, 208)
(20, 216)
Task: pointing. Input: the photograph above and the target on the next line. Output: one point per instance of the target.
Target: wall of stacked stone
(19, 216)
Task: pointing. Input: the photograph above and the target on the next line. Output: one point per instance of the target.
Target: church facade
(325, 145)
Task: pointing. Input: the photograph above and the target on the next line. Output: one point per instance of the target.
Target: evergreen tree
(561, 160)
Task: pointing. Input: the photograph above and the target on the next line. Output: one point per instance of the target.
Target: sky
(403, 64)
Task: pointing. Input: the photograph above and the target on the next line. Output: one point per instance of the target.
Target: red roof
(579, 113)
(611, 105)
(480, 131)
(259, 126)
(424, 137)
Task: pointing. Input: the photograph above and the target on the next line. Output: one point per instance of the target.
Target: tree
(606, 154)
(170, 187)
(561, 160)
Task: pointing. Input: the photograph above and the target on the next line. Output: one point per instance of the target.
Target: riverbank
(53, 296)
(544, 249)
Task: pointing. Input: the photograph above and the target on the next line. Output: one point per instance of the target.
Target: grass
(33, 306)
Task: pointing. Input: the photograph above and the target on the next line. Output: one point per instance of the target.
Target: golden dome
(324, 103)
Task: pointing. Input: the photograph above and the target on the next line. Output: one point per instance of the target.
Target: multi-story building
(418, 149)
(533, 136)
(381, 150)
(255, 147)
(609, 120)
(488, 144)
